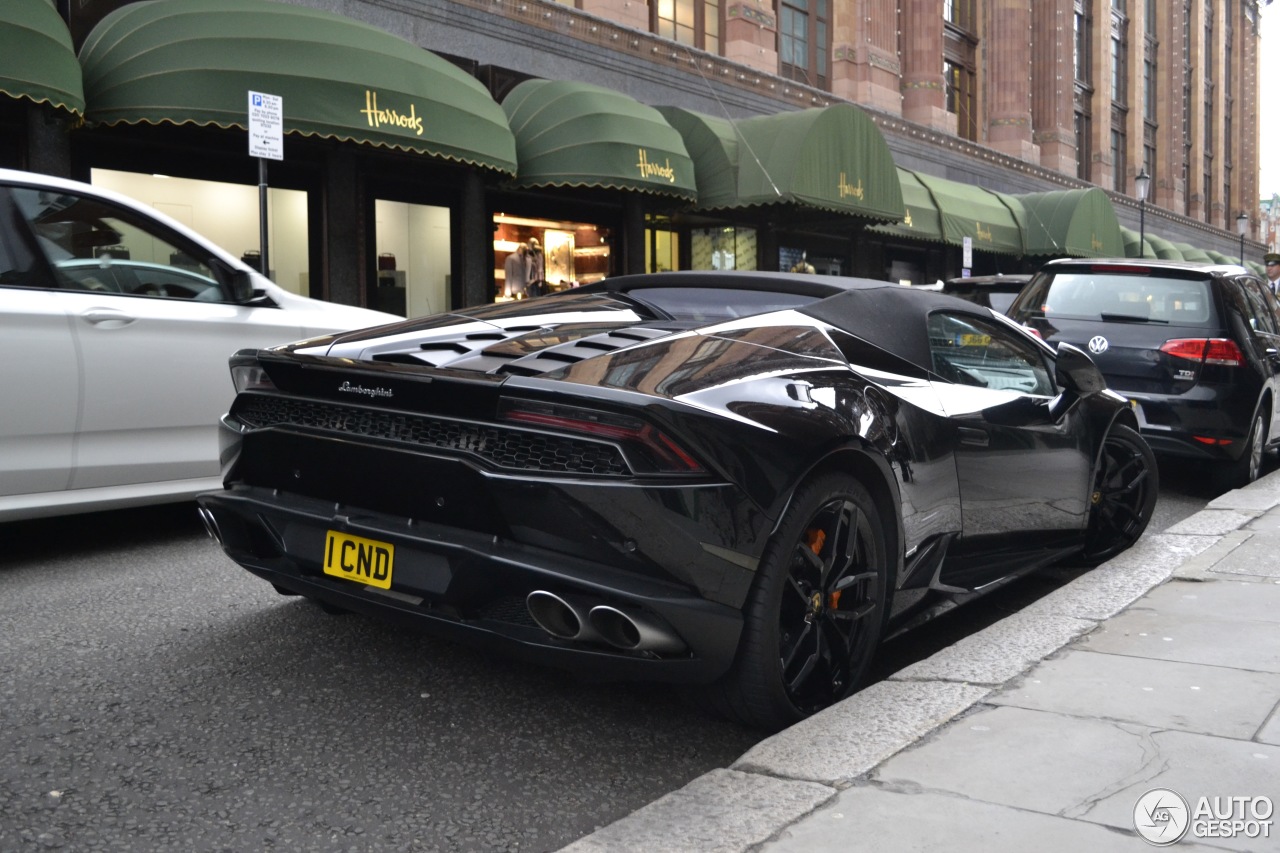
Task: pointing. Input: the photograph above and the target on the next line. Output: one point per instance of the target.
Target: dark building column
(345, 230)
(48, 145)
(473, 264)
(633, 234)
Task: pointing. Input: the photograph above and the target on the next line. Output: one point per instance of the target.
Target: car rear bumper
(473, 587)
(1195, 425)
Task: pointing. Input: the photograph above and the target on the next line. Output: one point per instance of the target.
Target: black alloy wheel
(815, 616)
(1125, 488)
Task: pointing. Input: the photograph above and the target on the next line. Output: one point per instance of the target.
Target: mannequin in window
(535, 269)
(803, 264)
(516, 270)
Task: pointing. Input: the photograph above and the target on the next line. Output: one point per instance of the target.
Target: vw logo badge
(1098, 344)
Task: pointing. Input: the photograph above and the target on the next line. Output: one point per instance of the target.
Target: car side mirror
(1077, 376)
(237, 283)
(241, 287)
(1076, 372)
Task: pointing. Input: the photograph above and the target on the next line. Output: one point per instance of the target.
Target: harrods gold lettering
(1097, 244)
(907, 221)
(377, 117)
(652, 170)
(983, 235)
(847, 190)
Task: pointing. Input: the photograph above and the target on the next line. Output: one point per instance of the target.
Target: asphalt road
(154, 696)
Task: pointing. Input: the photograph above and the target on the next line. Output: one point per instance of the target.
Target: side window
(970, 351)
(1261, 308)
(20, 263)
(94, 245)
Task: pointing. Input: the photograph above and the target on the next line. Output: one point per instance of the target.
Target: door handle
(974, 437)
(107, 318)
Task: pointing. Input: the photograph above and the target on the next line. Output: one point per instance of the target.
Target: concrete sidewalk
(1159, 672)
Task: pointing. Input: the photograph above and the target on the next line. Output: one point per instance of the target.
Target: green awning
(1219, 258)
(1256, 267)
(37, 59)
(571, 134)
(923, 220)
(832, 159)
(1192, 254)
(1078, 223)
(712, 144)
(989, 219)
(195, 61)
(1131, 248)
(1164, 250)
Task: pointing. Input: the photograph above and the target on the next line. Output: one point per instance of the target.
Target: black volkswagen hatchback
(1194, 347)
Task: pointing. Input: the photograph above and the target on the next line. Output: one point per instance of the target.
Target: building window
(959, 13)
(696, 23)
(1083, 17)
(1119, 184)
(804, 40)
(960, 66)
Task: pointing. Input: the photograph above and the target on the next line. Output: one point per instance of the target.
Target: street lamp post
(1142, 183)
(1242, 225)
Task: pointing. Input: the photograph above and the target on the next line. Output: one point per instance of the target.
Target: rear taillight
(659, 449)
(1033, 331)
(1218, 351)
(251, 377)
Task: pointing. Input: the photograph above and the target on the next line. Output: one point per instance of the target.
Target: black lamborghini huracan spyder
(744, 480)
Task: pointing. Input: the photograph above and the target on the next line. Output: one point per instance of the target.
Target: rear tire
(1248, 467)
(815, 615)
(1125, 488)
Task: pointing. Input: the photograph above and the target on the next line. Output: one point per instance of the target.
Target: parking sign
(266, 126)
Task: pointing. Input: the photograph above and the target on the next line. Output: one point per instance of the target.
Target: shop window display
(536, 256)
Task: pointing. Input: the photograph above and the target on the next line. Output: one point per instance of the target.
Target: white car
(116, 326)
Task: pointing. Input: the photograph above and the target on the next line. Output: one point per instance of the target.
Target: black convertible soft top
(890, 316)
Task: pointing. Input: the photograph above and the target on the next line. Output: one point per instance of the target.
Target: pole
(1142, 225)
(262, 217)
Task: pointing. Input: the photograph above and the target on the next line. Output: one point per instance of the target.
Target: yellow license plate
(365, 561)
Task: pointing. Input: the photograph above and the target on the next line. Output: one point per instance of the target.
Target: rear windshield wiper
(1132, 318)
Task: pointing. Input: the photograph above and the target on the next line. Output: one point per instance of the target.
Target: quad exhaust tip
(572, 618)
(210, 524)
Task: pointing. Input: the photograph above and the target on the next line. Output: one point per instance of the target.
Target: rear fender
(869, 467)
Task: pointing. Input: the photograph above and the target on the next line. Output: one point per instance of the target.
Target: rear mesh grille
(501, 447)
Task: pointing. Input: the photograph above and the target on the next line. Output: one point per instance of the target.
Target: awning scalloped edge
(24, 96)
(408, 149)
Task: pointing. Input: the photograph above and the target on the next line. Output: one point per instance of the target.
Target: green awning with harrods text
(571, 134)
(1078, 223)
(832, 159)
(37, 60)
(989, 219)
(922, 219)
(193, 62)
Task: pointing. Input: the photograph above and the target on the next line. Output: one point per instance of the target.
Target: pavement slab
(1198, 766)
(1225, 624)
(1033, 760)
(1209, 700)
(877, 818)
(1212, 522)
